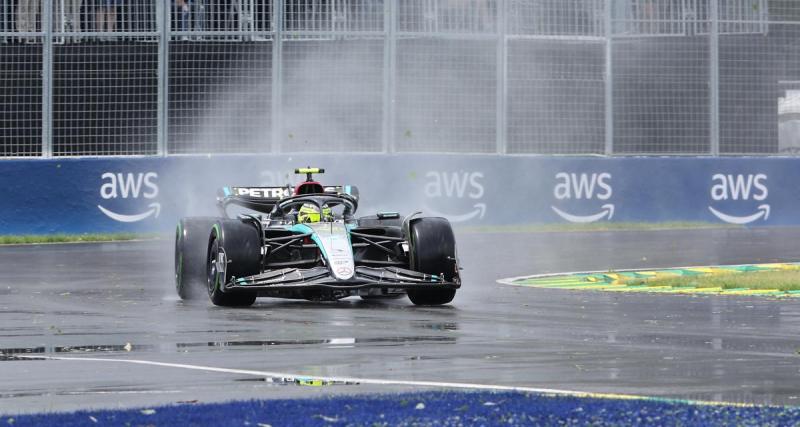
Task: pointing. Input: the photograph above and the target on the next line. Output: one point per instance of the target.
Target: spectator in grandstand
(199, 15)
(184, 14)
(648, 14)
(190, 15)
(486, 19)
(69, 19)
(5, 19)
(106, 15)
(27, 11)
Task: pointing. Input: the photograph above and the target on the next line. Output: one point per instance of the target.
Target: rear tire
(191, 240)
(241, 244)
(433, 251)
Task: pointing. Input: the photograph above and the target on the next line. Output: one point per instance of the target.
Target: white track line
(372, 381)
(434, 384)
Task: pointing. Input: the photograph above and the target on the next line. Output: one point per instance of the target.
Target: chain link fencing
(613, 77)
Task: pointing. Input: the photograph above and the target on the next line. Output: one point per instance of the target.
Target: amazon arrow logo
(584, 186)
(130, 186)
(763, 213)
(606, 213)
(155, 209)
(478, 212)
(740, 188)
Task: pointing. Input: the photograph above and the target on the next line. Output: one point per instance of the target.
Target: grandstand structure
(577, 77)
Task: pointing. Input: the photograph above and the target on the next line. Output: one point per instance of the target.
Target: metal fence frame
(390, 34)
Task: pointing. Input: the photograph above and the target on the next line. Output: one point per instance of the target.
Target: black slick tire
(241, 245)
(433, 251)
(191, 246)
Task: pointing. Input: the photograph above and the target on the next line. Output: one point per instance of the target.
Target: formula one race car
(306, 243)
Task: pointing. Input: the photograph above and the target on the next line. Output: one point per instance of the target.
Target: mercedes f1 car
(306, 243)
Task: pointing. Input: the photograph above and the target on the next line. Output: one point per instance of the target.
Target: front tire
(433, 251)
(191, 239)
(238, 246)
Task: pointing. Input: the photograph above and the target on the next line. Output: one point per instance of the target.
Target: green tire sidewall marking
(218, 231)
(179, 266)
(618, 281)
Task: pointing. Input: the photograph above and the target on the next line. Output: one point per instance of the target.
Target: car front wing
(321, 278)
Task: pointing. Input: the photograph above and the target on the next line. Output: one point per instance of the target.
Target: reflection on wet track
(120, 304)
(221, 345)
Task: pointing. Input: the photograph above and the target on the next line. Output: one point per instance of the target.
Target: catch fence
(613, 77)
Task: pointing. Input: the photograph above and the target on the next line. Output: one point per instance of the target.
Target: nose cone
(335, 244)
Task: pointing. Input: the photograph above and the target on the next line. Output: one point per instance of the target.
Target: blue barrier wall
(149, 194)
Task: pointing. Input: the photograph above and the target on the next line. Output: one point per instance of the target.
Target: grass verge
(787, 280)
(598, 226)
(73, 238)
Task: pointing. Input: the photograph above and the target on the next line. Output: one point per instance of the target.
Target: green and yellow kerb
(777, 279)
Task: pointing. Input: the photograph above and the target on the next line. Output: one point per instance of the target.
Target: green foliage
(596, 226)
(72, 238)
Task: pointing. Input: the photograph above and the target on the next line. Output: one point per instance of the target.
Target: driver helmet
(310, 213)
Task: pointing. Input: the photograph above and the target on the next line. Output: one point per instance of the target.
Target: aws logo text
(584, 186)
(130, 186)
(740, 188)
(456, 185)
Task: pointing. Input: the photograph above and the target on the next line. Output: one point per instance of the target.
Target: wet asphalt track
(90, 300)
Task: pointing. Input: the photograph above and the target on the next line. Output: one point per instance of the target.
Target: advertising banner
(151, 193)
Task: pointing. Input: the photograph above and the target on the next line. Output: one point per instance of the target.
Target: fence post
(163, 28)
(713, 86)
(502, 79)
(609, 80)
(47, 79)
(389, 74)
(277, 75)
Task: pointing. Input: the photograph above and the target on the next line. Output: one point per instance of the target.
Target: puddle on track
(299, 381)
(10, 354)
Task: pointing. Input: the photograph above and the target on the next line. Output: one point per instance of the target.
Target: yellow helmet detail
(310, 213)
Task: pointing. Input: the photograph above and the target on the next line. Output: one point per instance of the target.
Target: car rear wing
(264, 199)
(259, 199)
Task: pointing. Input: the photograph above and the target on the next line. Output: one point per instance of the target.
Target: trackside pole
(277, 75)
(163, 28)
(47, 79)
(609, 81)
(502, 78)
(713, 84)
